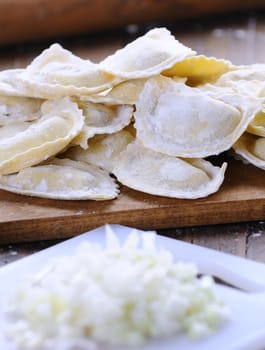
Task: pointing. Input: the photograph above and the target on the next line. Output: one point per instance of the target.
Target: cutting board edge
(209, 213)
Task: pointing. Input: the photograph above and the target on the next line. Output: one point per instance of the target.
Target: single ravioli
(62, 179)
(146, 56)
(199, 69)
(18, 109)
(60, 122)
(251, 149)
(155, 173)
(178, 120)
(102, 119)
(56, 72)
(103, 150)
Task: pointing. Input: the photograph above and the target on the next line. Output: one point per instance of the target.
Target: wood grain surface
(27, 20)
(241, 198)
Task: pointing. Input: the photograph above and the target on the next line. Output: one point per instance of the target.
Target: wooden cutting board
(241, 198)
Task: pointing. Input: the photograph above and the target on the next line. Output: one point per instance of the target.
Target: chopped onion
(119, 294)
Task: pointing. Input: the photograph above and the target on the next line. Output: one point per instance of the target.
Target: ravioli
(56, 72)
(102, 119)
(146, 56)
(251, 149)
(148, 114)
(248, 104)
(178, 120)
(18, 109)
(62, 179)
(249, 80)
(199, 69)
(155, 173)
(103, 150)
(253, 72)
(60, 122)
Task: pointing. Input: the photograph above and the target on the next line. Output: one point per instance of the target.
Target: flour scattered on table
(121, 294)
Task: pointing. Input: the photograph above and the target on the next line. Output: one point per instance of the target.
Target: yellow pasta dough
(199, 69)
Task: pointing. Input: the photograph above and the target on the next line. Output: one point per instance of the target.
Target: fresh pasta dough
(102, 119)
(248, 80)
(199, 69)
(103, 150)
(126, 92)
(182, 121)
(62, 179)
(10, 83)
(12, 129)
(257, 125)
(18, 109)
(156, 173)
(146, 56)
(56, 72)
(251, 149)
(60, 122)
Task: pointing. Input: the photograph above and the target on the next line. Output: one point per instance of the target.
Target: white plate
(244, 331)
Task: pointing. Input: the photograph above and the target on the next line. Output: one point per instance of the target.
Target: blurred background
(96, 28)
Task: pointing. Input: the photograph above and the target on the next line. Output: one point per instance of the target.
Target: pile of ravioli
(146, 117)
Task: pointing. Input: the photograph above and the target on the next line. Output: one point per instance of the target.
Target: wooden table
(238, 37)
